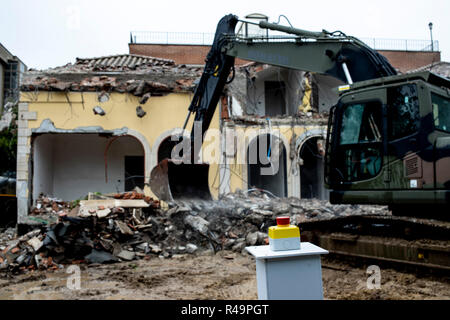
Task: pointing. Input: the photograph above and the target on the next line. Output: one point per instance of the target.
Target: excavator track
(403, 241)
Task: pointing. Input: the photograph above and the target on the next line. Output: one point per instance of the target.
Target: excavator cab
(388, 143)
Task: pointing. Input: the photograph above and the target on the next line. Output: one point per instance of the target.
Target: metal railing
(401, 44)
(201, 38)
(189, 38)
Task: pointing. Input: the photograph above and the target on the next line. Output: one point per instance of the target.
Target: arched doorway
(186, 181)
(165, 149)
(266, 161)
(311, 156)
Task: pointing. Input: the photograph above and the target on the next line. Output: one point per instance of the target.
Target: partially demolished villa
(102, 124)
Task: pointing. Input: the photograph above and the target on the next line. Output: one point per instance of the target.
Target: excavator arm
(218, 66)
(335, 54)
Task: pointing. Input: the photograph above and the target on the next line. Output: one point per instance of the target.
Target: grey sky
(49, 33)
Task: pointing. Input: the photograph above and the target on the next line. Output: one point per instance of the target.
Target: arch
(163, 136)
(164, 150)
(262, 175)
(310, 180)
(147, 152)
(315, 132)
(263, 132)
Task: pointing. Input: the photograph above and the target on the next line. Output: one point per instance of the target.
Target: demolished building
(102, 124)
(286, 107)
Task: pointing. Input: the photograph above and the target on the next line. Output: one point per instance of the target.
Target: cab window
(361, 123)
(360, 144)
(441, 112)
(403, 111)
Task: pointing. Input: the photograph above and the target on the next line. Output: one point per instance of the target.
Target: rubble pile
(50, 205)
(128, 226)
(120, 227)
(242, 218)
(103, 83)
(122, 73)
(301, 118)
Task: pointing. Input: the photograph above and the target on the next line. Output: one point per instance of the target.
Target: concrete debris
(126, 255)
(191, 248)
(302, 118)
(155, 248)
(103, 213)
(145, 97)
(124, 229)
(36, 243)
(103, 97)
(100, 256)
(251, 238)
(98, 110)
(197, 223)
(140, 112)
(113, 230)
(52, 206)
(150, 77)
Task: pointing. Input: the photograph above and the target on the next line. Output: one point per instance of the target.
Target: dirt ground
(225, 275)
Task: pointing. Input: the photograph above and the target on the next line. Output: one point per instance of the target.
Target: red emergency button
(282, 221)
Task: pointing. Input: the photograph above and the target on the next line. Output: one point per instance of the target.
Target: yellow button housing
(284, 231)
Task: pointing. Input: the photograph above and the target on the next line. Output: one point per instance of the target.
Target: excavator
(388, 138)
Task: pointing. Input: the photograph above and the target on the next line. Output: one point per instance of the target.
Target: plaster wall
(68, 166)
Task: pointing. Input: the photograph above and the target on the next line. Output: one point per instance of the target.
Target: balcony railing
(200, 38)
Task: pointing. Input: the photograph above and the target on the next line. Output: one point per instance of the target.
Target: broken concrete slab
(145, 97)
(124, 229)
(140, 112)
(144, 247)
(197, 223)
(111, 203)
(98, 110)
(103, 213)
(191, 248)
(252, 238)
(36, 243)
(155, 248)
(99, 256)
(126, 255)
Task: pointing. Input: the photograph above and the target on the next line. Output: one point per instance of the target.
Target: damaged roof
(441, 68)
(130, 73)
(121, 62)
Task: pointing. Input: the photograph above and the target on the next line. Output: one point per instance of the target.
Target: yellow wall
(73, 110)
(238, 178)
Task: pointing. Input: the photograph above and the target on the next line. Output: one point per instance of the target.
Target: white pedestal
(290, 274)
